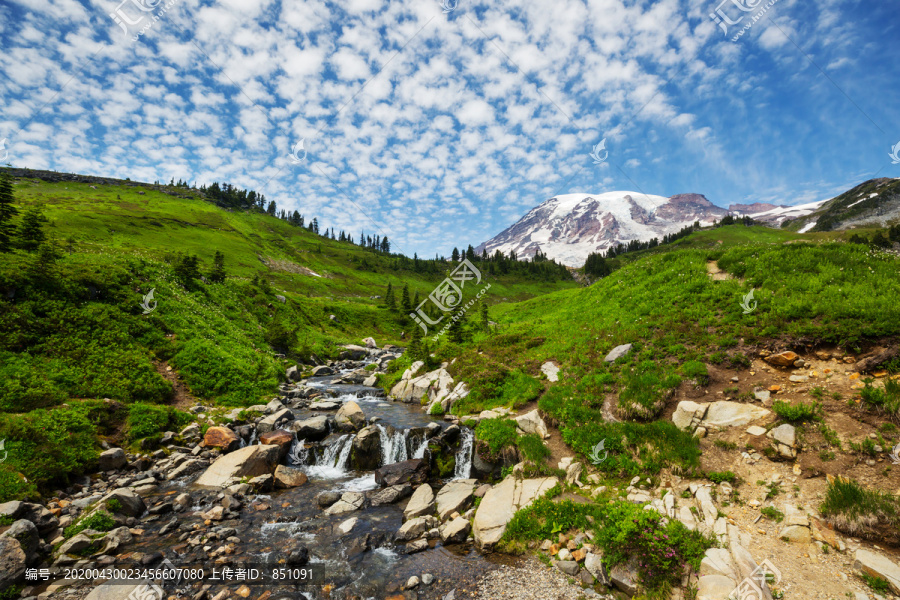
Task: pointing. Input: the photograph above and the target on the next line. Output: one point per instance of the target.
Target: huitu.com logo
(895, 154)
(145, 303)
(748, 303)
(599, 153)
(298, 152)
(595, 453)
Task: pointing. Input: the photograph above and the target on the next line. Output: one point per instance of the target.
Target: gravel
(532, 580)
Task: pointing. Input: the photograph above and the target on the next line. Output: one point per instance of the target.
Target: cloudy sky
(440, 125)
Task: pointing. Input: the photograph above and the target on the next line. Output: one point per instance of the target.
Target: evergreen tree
(7, 212)
(415, 344)
(415, 301)
(596, 266)
(454, 256)
(31, 230)
(218, 271)
(389, 299)
(404, 300)
(470, 253)
(483, 315)
(43, 266)
(272, 208)
(187, 269)
(455, 331)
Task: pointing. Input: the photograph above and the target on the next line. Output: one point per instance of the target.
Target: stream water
(363, 563)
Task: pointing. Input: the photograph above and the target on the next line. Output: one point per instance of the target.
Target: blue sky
(441, 128)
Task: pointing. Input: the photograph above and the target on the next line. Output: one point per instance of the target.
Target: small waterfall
(333, 463)
(419, 452)
(464, 455)
(254, 437)
(393, 447)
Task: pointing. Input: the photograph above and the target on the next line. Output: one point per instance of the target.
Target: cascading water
(333, 463)
(419, 452)
(393, 447)
(464, 454)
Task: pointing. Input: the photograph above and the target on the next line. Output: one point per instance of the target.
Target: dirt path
(181, 396)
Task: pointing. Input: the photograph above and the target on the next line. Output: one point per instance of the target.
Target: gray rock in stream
(390, 495)
(312, 430)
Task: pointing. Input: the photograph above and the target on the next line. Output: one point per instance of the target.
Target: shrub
(646, 390)
(98, 521)
(696, 370)
(720, 476)
(886, 398)
(661, 548)
(145, 420)
(797, 413)
(772, 513)
(497, 434)
(532, 447)
(860, 512)
(46, 446)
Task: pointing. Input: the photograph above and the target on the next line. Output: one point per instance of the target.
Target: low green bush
(797, 413)
(645, 391)
(532, 447)
(696, 370)
(772, 513)
(860, 512)
(98, 521)
(720, 476)
(497, 434)
(145, 420)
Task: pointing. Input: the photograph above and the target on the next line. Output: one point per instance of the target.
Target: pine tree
(389, 299)
(272, 208)
(7, 212)
(31, 230)
(483, 314)
(415, 344)
(455, 331)
(187, 269)
(218, 271)
(454, 256)
(404, 300)
(415, 301)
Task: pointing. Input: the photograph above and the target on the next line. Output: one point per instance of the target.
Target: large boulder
(350, 417)
(312, 430)
(532, 423)
(389, 495)
(289, 477)
(415, 528)
(322, 370)
(413, 472)
(281, 438)
(688, 414)
(349, 502)
(876, 565)
(43, 519)
(500, 504)
(421, 503)
(413, 389)
(352, 352)
(268, 424)
(455, 531)
(27, 535)
(12, 562)
(732, 414)
(292, 373)
(246, 462)
(366, 452)
(221, 437)
(122, 501)
(370, 343)
(112, 459)
(456, 496)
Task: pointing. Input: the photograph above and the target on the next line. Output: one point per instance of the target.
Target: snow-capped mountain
(569, 227)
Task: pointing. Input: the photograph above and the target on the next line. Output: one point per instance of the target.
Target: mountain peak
(568, 227)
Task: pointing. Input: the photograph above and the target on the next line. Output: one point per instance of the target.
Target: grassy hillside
(74, 329)
(680, 319)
